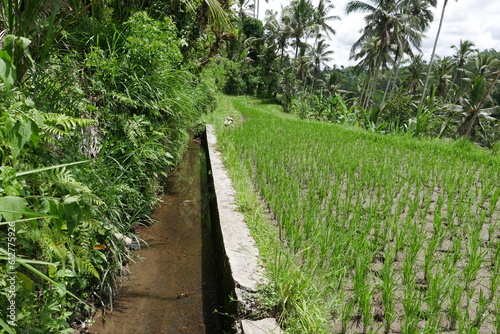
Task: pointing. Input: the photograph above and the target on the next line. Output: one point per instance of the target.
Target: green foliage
(327, 108)
(398, 110)
(365, 216)
(118, 93)
(235, 83)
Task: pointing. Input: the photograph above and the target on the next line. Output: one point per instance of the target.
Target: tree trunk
(468, 126)
(366, 92)
(432, 55)
(374, 89)
(396, 76)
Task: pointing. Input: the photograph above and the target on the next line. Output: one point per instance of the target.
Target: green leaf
(7, 72)
(6, 327)
(65, 273)
(11, 41)
(10, 184)
(34, 133)
(5, 55)
(26, 263)
(11, 206)
(23, 131)
(8, 45)
(72, 212)
(26, 282)
(50, 168)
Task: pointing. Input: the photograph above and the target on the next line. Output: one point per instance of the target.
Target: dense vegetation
(374, 233)
(392, 89)
(97, 99)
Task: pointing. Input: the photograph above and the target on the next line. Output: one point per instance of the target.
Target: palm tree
(420, 12)
(464, 51)
(433, 54)
(380, 21)
(245, 8)
(298, 16)
(321, 19)
(485, 64)
(320, 56)
(413, 74)
(407, 35)
(397, 26)
(279, 32)
(473, 103)
(442, 72)
(369, 55)
(415, 18)
(256, 6)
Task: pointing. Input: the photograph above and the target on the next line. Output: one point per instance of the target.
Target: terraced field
(379, 234)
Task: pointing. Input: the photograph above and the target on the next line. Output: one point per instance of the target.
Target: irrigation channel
(176, 287)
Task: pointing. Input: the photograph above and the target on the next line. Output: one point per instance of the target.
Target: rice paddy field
(373, 233)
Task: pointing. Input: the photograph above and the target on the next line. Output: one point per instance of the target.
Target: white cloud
(467, 20)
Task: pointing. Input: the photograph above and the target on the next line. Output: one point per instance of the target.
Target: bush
(398, 110)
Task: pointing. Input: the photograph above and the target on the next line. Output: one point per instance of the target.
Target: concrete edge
(238, 244)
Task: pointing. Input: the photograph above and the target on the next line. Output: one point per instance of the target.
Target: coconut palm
(464, 52)
(381, 22)
(396, 25)
(407, 36)
(304, 65)
(321, 18)
(485, 64)
(320, 56)
(256, 7)
(369, 57)
(413, 74)
(298, 16)
(415, 18)
(277, 31)
(420, 12)
(472, 103)
(245, 8)
(443, 68)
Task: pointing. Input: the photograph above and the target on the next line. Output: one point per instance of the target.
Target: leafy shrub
(398, 110)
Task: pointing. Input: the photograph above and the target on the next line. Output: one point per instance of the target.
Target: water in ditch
(174, 288)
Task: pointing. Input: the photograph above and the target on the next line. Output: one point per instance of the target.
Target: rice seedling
(395, 232)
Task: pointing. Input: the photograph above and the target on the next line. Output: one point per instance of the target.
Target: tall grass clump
(397, 234)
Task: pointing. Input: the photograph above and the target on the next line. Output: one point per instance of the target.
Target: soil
(173, 289)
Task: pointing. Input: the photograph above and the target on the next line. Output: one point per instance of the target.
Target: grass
(370, 233)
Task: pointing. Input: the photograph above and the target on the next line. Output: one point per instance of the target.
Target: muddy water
(174, 289)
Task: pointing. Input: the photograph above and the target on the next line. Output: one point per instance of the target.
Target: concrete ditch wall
(238, 246)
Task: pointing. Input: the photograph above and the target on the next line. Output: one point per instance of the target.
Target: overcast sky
(477, 21)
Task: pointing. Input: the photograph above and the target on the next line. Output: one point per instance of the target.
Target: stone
(264, 326)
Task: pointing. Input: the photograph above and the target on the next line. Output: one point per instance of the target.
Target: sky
(474, 20)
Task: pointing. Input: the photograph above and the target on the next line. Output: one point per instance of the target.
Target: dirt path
(173, 289)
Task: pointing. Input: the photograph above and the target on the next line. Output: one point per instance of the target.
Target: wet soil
(174, 288)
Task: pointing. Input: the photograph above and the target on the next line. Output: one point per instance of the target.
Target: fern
(65, 183)
(136, 129)
(71, 253)
(60, 125)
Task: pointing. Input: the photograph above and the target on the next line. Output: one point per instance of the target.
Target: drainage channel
(179, 284)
